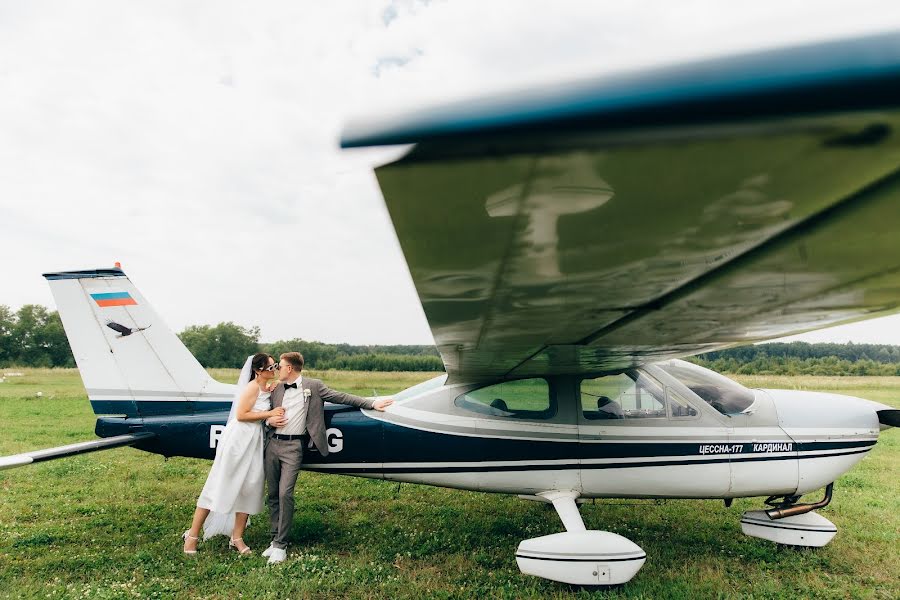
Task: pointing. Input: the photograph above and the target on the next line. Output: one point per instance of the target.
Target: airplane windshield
(421, 388)
(726, 396)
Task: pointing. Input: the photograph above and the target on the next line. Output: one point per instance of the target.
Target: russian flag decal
(113, 299)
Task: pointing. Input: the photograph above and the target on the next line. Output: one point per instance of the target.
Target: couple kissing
(270, 427)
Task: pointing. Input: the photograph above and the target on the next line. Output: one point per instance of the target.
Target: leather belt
(281, 436)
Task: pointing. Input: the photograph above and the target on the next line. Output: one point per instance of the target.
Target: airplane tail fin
(131, 363)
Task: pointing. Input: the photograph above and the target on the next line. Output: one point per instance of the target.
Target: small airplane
(569, 246)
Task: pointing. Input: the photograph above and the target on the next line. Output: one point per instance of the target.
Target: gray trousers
(282, 465)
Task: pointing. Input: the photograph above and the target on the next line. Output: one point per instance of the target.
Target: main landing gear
(790, 523)
(578, 556)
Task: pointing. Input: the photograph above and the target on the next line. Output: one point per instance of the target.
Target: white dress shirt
(294, 403)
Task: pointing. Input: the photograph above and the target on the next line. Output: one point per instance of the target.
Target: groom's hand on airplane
(382, 404)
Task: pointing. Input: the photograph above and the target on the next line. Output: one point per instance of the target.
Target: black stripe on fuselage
(527, 466)
(173, 407)
(367, 440)
(405, 444)
(158, 408)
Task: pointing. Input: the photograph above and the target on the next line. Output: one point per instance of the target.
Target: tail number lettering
(215, 432)
(335, 440)
(333, 435)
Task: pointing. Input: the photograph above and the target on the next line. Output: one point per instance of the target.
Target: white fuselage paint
(737, 461)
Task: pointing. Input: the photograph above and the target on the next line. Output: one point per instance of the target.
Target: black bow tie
(289, 386)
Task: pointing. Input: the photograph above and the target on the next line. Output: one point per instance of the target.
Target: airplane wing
(607, 223)
(27, 458)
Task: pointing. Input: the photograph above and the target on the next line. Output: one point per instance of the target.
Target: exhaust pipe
(800, 509)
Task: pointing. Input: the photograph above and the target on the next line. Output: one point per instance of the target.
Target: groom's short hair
(294, 358)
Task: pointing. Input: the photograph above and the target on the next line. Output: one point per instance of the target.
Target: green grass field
(107, 525)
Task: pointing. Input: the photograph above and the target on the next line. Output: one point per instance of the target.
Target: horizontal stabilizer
(26, 458)
(889, 417)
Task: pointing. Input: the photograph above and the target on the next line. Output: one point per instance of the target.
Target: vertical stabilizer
(130, 361)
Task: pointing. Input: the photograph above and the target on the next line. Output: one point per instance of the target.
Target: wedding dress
(235, 481)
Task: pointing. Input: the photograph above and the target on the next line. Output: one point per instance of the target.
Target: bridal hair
(260, 361)
(295, 359)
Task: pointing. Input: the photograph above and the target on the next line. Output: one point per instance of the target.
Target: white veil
(243, 380)
(223, 523)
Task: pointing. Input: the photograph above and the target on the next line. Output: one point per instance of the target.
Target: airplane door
(639, 438)
(527, 437)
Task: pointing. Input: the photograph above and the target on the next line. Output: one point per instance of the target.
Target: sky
(197, 142)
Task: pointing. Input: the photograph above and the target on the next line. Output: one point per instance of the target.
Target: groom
(289, 435)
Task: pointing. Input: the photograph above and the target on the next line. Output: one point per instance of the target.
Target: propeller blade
(890, 417)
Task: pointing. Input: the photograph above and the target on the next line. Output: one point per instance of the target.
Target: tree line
(33, 336)
(229, 345)
(802, 358)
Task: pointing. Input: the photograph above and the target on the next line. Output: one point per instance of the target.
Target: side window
(678, 406)
(519, 399)
(629, 395)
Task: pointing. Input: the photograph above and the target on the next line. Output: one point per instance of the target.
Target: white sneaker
(268, 551)
(277, 556)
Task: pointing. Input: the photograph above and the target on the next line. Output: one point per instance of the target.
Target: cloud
(197, 142)
(396, 62)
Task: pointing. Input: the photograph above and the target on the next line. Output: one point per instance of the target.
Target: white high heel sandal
(231, 544)
(186, 536)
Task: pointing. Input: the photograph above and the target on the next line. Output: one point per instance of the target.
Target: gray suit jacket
(315, 412)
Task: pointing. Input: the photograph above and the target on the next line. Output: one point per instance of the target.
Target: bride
(234, 487)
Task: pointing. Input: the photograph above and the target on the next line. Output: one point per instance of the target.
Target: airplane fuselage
(788, 443)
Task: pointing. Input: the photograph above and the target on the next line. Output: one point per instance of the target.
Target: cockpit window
(519, 399)
(628, 395)
(726, 396)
